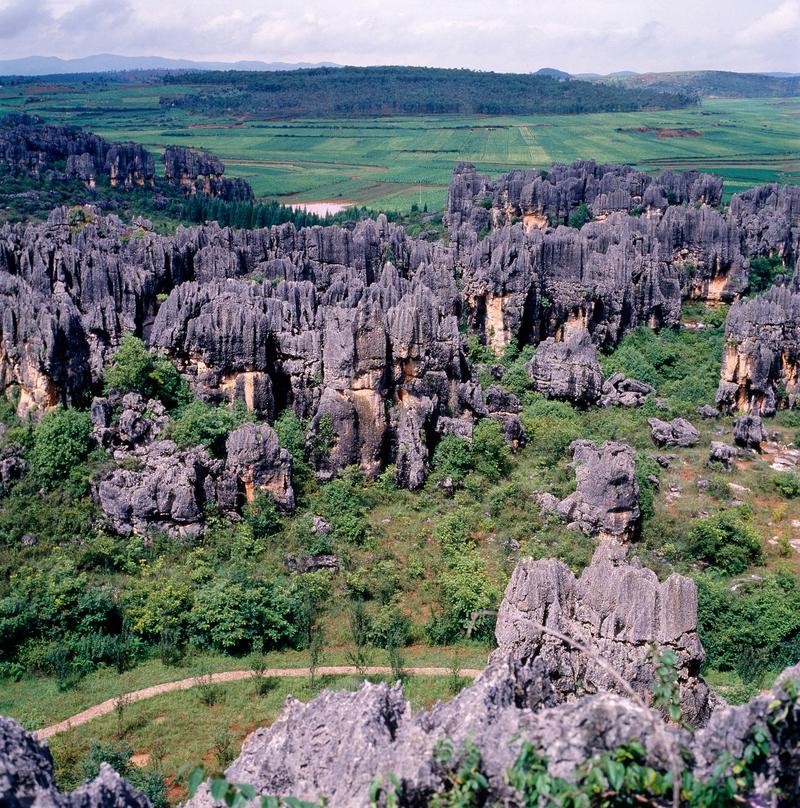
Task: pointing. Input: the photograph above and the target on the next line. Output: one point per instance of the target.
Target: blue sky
(505, 35)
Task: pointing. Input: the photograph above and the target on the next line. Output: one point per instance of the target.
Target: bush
(136, 370)
(753, 629)
(201, 424)
(491, 456)
(550, 426)
(724, 541)
(60, 444)
(452, 458)
(764, 272)
(580, 216)
(788, 484)
(262, 516)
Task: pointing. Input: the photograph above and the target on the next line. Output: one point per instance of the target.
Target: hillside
(364, 91)
(710, 84)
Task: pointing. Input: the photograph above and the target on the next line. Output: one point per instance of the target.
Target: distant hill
(360, 91)
(708, 83)
(109, 62)
(553, 73)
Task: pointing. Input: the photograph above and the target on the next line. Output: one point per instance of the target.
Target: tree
(136, 370)
(60, 443)
(580, 216)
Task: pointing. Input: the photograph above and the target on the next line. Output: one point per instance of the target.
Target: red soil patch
(663, 132)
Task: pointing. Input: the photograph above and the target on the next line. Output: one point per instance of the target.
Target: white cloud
(511, 35)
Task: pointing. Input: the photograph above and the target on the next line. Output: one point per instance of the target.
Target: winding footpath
(106, 707)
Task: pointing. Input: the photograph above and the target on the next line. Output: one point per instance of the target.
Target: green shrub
(452, 458)
(646, 467)
(491, 456)
(550, 426)
(580, 216)
(726, 542)
(201, 424)
(752, 629)
(788, 484)
(389, 628)
(137, 370)
(764, 272)
(60, 444)
(262, 516)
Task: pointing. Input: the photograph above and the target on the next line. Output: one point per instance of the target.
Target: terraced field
(390, 163)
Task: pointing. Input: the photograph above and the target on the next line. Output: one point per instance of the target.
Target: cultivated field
(389, 163)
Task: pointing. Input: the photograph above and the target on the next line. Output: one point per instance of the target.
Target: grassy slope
(178, 730)
(391, 162)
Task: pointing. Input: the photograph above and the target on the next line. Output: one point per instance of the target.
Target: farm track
(108, 706)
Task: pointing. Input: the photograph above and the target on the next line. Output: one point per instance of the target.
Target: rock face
(198, 171)
(762, 353)
(30, 147)
(27, 777)
(748, 431)
(538, 687)
(166, 492)
(606, 501)
(678, 432)
(358, 329)
(12, 467)
(769, 220)
(256, 459)
(540, 198)
(618, 611)
(567, 370)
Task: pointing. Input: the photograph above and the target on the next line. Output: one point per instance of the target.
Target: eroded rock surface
(606, 501)
(762, 353)
(27, 778)
(538, 688)
(567, 370)
(677, 432)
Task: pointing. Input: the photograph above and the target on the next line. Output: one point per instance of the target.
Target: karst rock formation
(361, 330)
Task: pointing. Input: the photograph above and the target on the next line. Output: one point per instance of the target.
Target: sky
(503, 35)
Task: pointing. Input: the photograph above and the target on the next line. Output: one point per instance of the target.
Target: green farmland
(389, 163)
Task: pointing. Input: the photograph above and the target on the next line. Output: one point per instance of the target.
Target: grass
(391, 162)
(180, 731)
(36, 701)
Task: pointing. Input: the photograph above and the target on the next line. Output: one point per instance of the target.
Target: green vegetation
(134, 369)
(764, 272)
(365, 91)
(389, 163)
(60, 445)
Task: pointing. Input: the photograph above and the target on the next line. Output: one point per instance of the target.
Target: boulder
(678, 432)
(749, 432)
(606, 501)
(623, 392)
(168, 492)
(708, 412)
(12, 466)
(567, 370)
(723, 453)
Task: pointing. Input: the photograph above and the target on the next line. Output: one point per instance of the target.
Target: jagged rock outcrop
(606, 501)
(127, 424)
(538, 688)
(166, 492)
(749, 432)
(568, 370)
(27, 778)
(616, 609)
(12, 466)
(762, 353)
(542, 197)
(677, 432)
(768, 218)
(199, 171)
(620, 391)
(255, 458)
(723, 453)
(29, 146)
